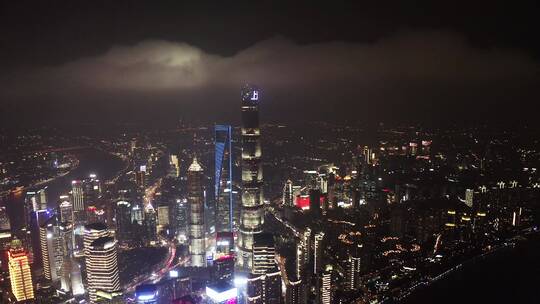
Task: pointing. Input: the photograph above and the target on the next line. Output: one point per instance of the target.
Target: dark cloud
(414, 68)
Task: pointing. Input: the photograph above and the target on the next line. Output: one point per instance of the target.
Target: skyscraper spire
(252, 177)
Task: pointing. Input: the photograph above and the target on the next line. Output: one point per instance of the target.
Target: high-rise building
(5, 228)
(20, 274)
(140, 176)
(353, 271)
(223, 178)
(51, 249)
(264, 253)
(224, 244)
(326, 286)
(66, 211)
(288, 194)
(93, 232)
(150, 223)
(224, 268)
(34, 201)
(318, 252)
(251, 217)
(179, 219)
(295, 292)
(196, 214)
(77, 197)
(123, 221)
(102, 267)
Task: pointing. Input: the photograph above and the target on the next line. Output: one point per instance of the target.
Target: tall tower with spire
(251, 217)
(196, 214)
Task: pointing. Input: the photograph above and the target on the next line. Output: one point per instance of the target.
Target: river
(507, 276)
(91, 160)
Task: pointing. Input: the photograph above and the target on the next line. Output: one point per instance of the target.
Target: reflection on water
(91, 160)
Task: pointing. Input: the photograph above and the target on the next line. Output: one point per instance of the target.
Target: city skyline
(266, 153)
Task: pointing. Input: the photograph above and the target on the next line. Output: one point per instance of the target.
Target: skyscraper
(326, 286)
(318, 253)
(93, 232)
(223, 178)
(288, 198)
(251, 217)
(102, 267)
(66, 211)
(196, 214)
(19, 272)
(77, 197)
(51, 249)
(123, 220)
(264, 253)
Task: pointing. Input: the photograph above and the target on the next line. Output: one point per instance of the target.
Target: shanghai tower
(251, 216)
(196, 214)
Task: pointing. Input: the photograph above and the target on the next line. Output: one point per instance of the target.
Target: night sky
(365, 62)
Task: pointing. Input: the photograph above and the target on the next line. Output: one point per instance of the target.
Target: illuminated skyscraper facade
(51, 249)
(223, 178)
(196, 214)
(102, 267)
(93, 232)
(20, 274)
(251, 217)
(77, 197)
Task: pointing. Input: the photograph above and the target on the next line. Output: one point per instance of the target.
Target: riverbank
(508, 275)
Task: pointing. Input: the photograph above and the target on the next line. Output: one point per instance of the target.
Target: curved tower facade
(196, 214)
(251, 216)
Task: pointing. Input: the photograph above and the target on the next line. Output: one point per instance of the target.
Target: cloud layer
(402, 67)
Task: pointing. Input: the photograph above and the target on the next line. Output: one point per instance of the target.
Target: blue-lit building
(146, 294)
(223, 178)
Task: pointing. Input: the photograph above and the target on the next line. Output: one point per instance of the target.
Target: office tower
(34, 201)
(318, 251)
(224, 268)
(251, 217)
(51, 249)
(326, 286)
(5, 228)
(68, 275)
(102, 267)
(123, 221)
(222, 293)
(264, 253)
(175, 165)
(77, 197)
(295, 292)
(20, 274)
(137, 214)
(224, 244)
(163, 216)
(140, 176)
(300, 263)
(93, 232)
(150, 223)
(288, 195)
(66, 211)
(353, 270)
(264, 288)
(180, 219)
(315, 202)
(255, 289)
(223, 178)
(146, 294)
(196, 214)
(264, 265)
(469, 197)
